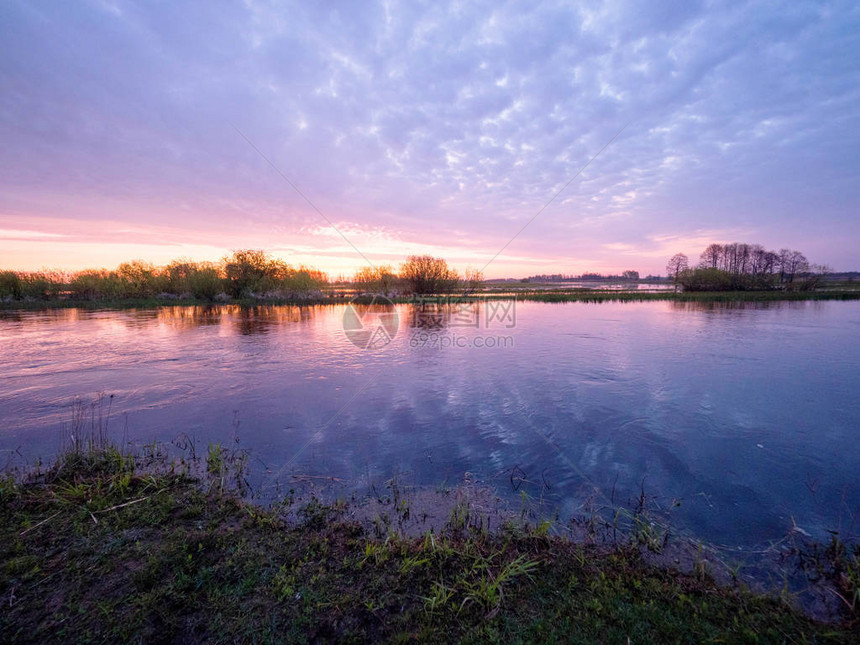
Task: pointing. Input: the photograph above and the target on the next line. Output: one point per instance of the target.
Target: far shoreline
(521, 295)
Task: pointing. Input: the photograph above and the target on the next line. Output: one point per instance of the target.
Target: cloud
(17, 234)
(447, 126)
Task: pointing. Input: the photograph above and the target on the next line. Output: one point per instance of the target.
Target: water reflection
(731, 408)
(247, 320)
(740, 305)
(444, 312)
(185, 318)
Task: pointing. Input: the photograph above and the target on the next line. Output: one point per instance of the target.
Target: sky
(337, 134)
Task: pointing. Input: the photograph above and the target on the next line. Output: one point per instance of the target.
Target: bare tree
(731, 258)
(795, 262)
(711, 256)
(770, 260)
(744, 251)
(757, 259)
(782, 260)
(677, 263)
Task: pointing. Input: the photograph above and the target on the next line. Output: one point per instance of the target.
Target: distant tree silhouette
(739, 266)
(677, 263)
(712, 255)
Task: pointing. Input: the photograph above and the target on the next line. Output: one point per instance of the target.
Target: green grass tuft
(97, 549)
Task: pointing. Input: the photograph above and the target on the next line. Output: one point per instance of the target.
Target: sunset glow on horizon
(440, 130)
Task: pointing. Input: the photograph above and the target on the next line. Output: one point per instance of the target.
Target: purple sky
(428, 128)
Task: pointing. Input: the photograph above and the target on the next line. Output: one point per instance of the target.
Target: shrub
(91, 284)
(10, 285)
(304, 280)
(42, 284)
(425, 274)
(710, 279)
(206, 282)
(243, 273)
(375, 280)
(138, 279)
(201, 280)
(250, 271)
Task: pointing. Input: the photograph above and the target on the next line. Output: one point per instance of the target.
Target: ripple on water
(748, 408)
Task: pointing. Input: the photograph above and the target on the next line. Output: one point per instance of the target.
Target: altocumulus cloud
(439, 126)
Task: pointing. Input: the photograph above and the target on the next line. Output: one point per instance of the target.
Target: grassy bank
(150, 303)
(571, 295)
(689, 296)
(97, 549)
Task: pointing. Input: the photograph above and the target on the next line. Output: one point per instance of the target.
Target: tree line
(628, 275)
(246, 273)
(419, 274)
(739, 266)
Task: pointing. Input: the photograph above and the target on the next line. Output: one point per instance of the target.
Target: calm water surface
(748, 414)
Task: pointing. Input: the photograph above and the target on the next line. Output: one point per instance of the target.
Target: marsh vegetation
(253, 276)
(243, 274)
(105, 545)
